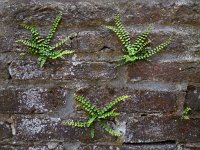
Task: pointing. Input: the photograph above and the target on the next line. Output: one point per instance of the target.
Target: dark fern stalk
(40, 46)
(96, 115)
(138, 50)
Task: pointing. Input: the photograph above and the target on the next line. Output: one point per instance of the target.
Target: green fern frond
(137, 50)
(186, 112)
(28, 43)
(149, 52)
(86, 105)
(53, 28)
(140, 43)
(61, 53)
(97, 115)
(28, 27)
(64, 40)
(76, 124)
(40, 46)
(114, 29)
(41, 61)
(121, 32)
(109, 114)
(92, 131)
(114, 102)
(109, 129)
(90, 121)
(34, 31)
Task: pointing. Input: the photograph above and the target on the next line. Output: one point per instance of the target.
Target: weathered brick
(29, 128)
(130, 147)
(81, 14)
(179, 19)
(153, 101)
(191, 146)
(139, 100)
(96, 41)
(105, 55)
(169, 72)
(173, 12)
(28, 147)
(4, 74)
(31, 100)
(164, 128)
(59, 70)
(5, 131)
(192, 99)
(23, 147)
(5, 60)
(181, 48)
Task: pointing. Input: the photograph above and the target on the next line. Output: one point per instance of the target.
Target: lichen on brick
(32, 127)
(33, 99)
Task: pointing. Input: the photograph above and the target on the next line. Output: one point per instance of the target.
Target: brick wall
(34, 100)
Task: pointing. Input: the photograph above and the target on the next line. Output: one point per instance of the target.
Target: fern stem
(109, 129)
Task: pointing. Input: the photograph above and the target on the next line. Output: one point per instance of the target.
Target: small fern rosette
(138, 50)
(41, 46)
(97, 115)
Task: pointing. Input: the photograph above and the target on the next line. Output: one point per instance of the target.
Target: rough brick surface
(33, 99)
(151, 129)
(78, 14)
(25, 70)
(191, 146)
(192, 98)
(3, 71)
(54, 146)
(138, 101)
(169, 72)
(142, 147)
(46, 128)
(5, 131)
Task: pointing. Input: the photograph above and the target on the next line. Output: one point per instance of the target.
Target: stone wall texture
(34, 101)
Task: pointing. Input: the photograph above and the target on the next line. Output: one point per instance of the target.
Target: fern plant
(97, 115)
(138, 50)
(186, 112)
(41, 46)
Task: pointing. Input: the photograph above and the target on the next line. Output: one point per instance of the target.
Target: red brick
(164, 128)
(31, 100)
(193, 98)
(164, 12)
(29, 147)
(61, 70)
(130, 147)
(191, 146)
(168, 72)
(4, 74)
(139, 100)
(105, 55)
(29, 128)
(100, 45)
(96, 41)
(92, 15)
(5, 131)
